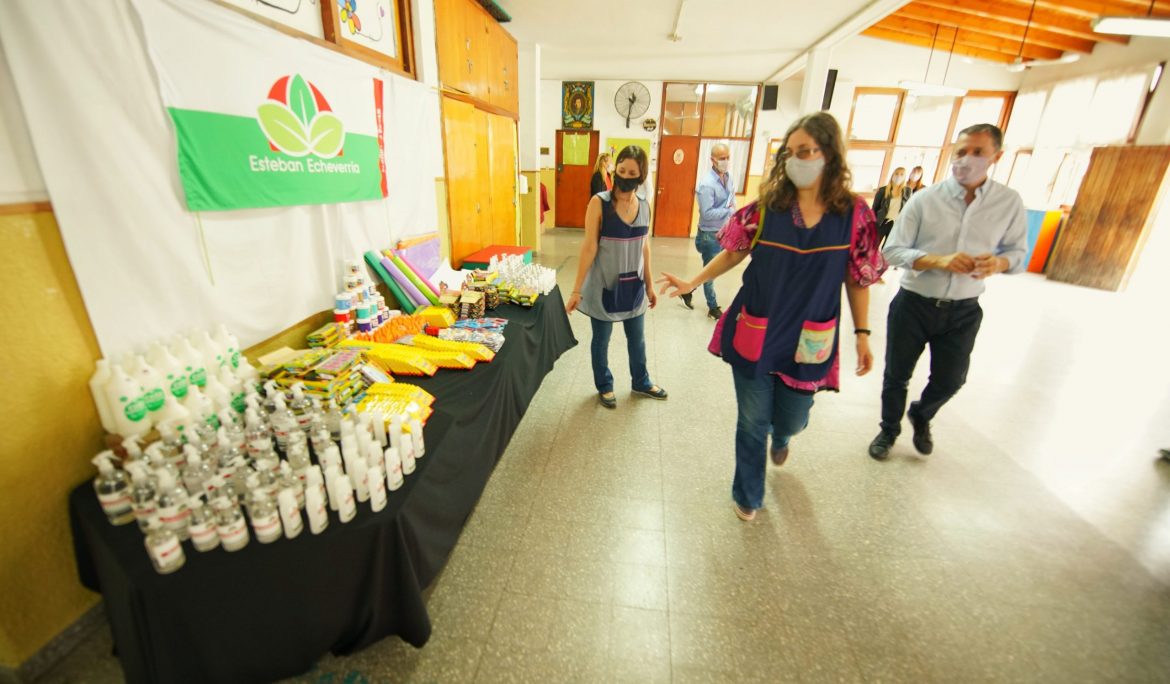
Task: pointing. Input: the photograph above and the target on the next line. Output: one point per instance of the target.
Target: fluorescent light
(1133, 26)
(1017, 67)
(921, 88)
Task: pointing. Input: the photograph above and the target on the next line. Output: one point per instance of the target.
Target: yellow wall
(530, 228)
(444, 226)
(549, 178)
(49, 430)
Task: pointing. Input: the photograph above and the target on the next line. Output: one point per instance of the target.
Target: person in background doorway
(888, 202)
(949, 239)
(716, 196)
(602, 179)
(614, 281)
(807, 234)
(1165, 453)
(915, 183)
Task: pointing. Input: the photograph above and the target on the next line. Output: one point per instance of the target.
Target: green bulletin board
(575, 149)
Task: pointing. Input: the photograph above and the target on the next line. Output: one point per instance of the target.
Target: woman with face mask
(602, 179)
(806, 235)
(915, 183)
(614, 281)
(888, 202)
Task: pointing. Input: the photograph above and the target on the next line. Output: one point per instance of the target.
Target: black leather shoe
(923, 442)
(686, 300)
(879, 448)
(715, 313)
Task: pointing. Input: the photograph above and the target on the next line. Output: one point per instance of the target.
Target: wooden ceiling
(995, 30)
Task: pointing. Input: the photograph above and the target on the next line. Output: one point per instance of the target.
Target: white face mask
(970, 169)
(803, 172)
(721, 165)
(898, 179)
(609, 168)
(915, 176)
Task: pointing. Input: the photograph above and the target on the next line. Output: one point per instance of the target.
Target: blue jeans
(709, 248)
(766, 406)
(635, 345)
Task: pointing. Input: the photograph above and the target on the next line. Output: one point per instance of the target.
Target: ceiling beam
(995, 27)
(1018, 13)
(1091, 9)
(912, 39)
(948, 35)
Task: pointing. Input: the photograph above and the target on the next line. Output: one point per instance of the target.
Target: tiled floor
(1033, 546)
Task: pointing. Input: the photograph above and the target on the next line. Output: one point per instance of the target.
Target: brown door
(502, 131)
(462, 148)
(678, 164)
(1100, 244)
(574, 169)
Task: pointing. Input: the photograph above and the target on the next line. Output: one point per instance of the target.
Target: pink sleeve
(737, 234)
(866, 264)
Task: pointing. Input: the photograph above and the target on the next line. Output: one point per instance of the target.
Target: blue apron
(786, 316)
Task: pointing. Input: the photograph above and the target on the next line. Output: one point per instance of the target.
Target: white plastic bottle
(394, 434)
(152, 383)
(199, 405)
(126, 403)
(333, 475)
(265, 518)
(164, 548)
(229, 347)
(407, 452)
(359, 477)
(301, 407)
(212, 354)
(143, 495)
(113, 490)
(202, 528)
(220, 396)
(230, 525)
(172, 505)
(290, 514)
(192, 360)
(320, 440)
(290, 481)
(97, 387)
(393, 465)
(315, 508)
(175, 376)
(416, 436)
(233, 429)
(172, 412)
(236, 387)
(283, 421)
(333, 420)
(257, 434)
(379, 423)
(346, 506)
(197, 473)
(377, 483)
(331, 457)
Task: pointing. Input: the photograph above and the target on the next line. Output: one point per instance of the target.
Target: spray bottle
(236, 387)
(233, 429)
(219, 394)
(164, 547)
(257, 434)
(283, 422)
(199, 405)
(301, 407)
(229, 346)
(113, 490)
(172, 505)
(271, 392)
(212, 354)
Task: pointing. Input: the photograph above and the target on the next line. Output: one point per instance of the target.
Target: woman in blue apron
(614, 280)
(807, 234)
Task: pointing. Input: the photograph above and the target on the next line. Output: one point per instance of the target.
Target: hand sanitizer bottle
(175, 378)
(288, 480)
(416, 435)
(271, 392)
(265, 518)
(290, 514)
(301, 407)
(333, 420)
(394, 478)
(97, 387)
(197, 473)
(113, 490)
(333, 475)
(257, 434)
(152, 383)
(143, 496)
(233, 430)
(172, 505)
(359, 478)
(163, 547)
(379, 423)
(230, 525)
(377, 489)
(283, 422)
(298, 461)
(331, 457)
(321, 441)
(192, 360)
(346, 506)
(202, 528)
(407, 455)
(127, 405)
(315, 508)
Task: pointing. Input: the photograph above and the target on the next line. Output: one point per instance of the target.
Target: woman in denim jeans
(614, 281)
(807, 234)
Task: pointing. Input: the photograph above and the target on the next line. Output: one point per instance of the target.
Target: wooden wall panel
(502, 188)
(1107, 229)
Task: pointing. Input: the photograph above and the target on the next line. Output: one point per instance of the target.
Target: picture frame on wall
(577, 105)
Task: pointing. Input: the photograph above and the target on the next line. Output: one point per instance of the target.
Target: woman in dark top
(915, 183)
(888, 202)
(602, 175)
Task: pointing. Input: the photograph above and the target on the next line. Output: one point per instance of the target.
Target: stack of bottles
(290, 461)
(360, 304)
(186, 379)
(518, 277)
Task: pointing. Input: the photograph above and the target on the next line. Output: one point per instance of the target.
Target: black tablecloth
(271, 610)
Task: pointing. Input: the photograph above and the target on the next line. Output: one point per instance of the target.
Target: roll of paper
(399, 277)
(375, 263)
(416, 277)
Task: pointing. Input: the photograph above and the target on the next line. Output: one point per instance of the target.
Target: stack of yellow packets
(398, 399)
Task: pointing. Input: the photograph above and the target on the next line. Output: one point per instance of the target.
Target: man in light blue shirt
(716, 195)
(949, 238)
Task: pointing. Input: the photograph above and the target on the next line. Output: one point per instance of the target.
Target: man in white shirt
(949, 238)
(716, 196)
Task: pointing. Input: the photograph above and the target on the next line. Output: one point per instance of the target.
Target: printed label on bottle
(203, 534)
(136, 410)
(199, 377)
(167, 554)
(179, 387)
(303, 420)
(116, 503)
(267, 527)
(143, 511)
(234, 534)
(294, 525)
(239, 404)
(155, 399)
(174, 516)
(235, 356)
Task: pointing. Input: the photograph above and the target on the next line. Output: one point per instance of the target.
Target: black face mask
(626, 184)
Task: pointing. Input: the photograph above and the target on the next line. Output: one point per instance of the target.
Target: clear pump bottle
(113, 490)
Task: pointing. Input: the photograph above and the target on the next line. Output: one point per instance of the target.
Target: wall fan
(632, 100)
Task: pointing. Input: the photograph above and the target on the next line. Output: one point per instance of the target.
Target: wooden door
(502, 71)
(678, 164)
(573, 175)
(502, 188)
(453, 44)
(464, 206)
(479, 24)
(1112, 217)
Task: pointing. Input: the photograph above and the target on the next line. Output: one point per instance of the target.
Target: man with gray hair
(716, 195)
(948, 239)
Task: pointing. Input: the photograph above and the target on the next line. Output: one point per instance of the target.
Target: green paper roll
(410, 275)
(375, 263)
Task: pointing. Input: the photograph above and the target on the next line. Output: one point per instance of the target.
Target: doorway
(576, 155)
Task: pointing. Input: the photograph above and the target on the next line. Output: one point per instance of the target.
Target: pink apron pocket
(816, 341)
(748, 339)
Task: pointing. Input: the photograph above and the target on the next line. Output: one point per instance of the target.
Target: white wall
(425, 52)
(530, 98)
(20, 176)
(773, 124)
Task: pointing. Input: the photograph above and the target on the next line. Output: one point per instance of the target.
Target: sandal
(655, 392)
(744, 514)
(609, 402)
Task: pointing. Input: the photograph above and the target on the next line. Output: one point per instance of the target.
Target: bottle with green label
(174, 375)
(127, 404)
(151, 380)
(192, 360)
